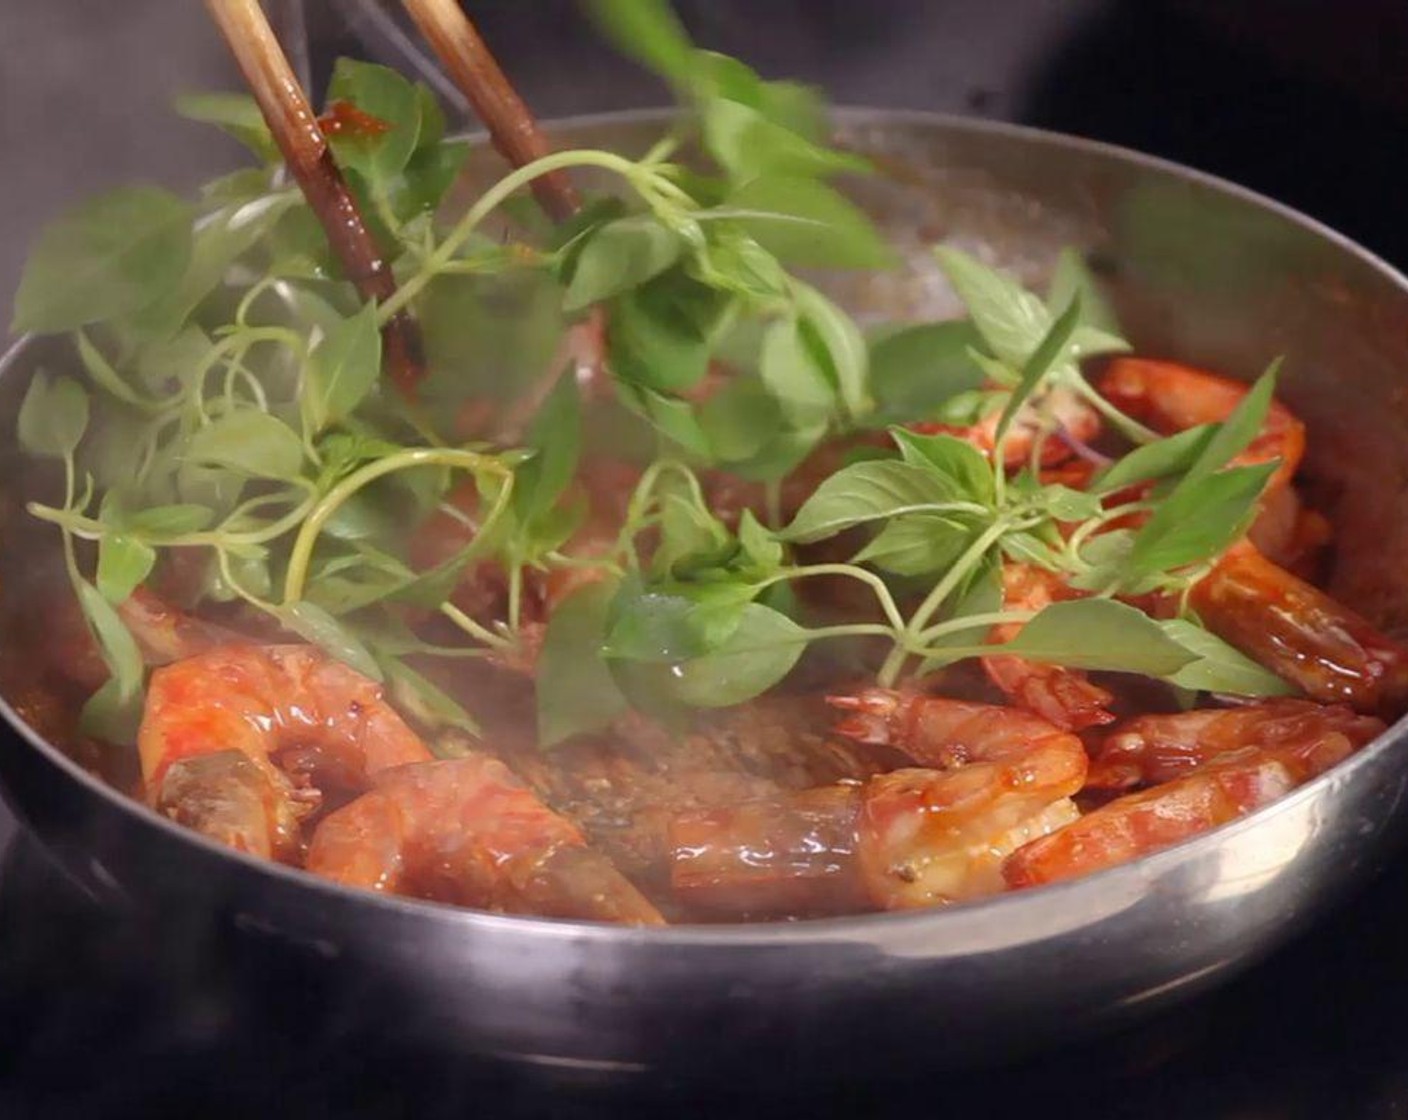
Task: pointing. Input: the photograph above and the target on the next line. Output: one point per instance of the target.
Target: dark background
(1306, 100)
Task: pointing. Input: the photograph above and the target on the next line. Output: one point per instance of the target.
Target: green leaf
(793, 373)
(53, 416)
(123, 563)
(1011, 320)
(575, 689)
(103, 375)
(110, 716)
(1219, 667)
(666, 624)
(215, 246)
(110, 256)
(749, 145)
(763, 549)
(556, 438)
(1065, 504)
(1199, 520)
(649, 32)
(690, 537)
(390, 98)
(916, 369)
(1099, 634)
(1072, 280)
(963, 467)
(428, 705)
(659, 333)
(168, 520)
(739, 420)
(235, 113)
(675, 418)
(806, 223)
(1231, 437)
(864, 492)
(761, 650)
(620, 255)
(1048, 353)
(119, 648)
(342, 370)
(918, 544)
(428, 175)
(1163, 458)
(840, 346)
(1108, 555)
(312, 623)
(734, 262)
(248, 441)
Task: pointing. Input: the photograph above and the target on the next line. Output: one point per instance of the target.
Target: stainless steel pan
(1198, 269)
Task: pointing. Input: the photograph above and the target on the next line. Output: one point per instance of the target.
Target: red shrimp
(1060, 411)
(236, 742)
(1064, 697)
(993, 779)
(466, 831)
(1153, 749)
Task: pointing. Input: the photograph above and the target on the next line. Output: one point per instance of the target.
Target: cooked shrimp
(1170, 397)
(1307, 737)
(1301, 634)
(236, 742)
(467, 831)
(1059, 412)
(1064, 697)
(1140, 823)
(995, 778)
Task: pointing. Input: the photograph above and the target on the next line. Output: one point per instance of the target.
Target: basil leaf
(1099, 634)
(248, 441)
(53, 416)
(659, 333)
(103, 375)
(168, 520)
(424, 702)
(428, 175)
(762, 649)
(215, 246)
(1199, 520)
(312, 623)
(1070, 281)
(748, 145)
(1065, 504)
(110, 716)
(734, 262)
(739, 420)
(868, 491)
(689, 533)
(1220, 667)
(620, 255)
(342, 370)
(1231, 437)
(556, 437)
(123, 563)
(666, 624)
(649, 32)
(235, 113)
(793, 374)
(1028, 548)
(386, 95)
(917, 544)
(1172, 455)
(961, 464)
(1011, 320)
(575, 688)
(1108, 555)
(118, 647)
(1048, 353)
(110, 256)
(760, 546)
(916, 369)
(806, 223)
(839, 344)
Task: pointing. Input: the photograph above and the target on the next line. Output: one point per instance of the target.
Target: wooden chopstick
(510, 122)
(305, 149)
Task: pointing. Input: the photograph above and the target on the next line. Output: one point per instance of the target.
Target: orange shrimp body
(268, 722)
(994, 779)
(466, 831)
(1301, 634)
(1140, 823)
(1171, 397)
(1307, 737)
(1064, 697)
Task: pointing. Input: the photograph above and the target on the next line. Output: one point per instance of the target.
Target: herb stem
(473, 628)
(301, 556)
(1127, 426)
(882, 592)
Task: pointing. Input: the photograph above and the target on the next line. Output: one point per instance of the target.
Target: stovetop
(101, 1017)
